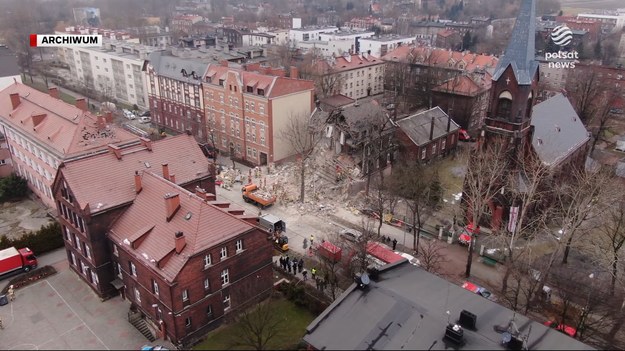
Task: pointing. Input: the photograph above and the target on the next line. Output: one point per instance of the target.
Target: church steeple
(516, 75)
(520, 53)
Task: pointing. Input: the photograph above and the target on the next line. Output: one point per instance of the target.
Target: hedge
(46, 239)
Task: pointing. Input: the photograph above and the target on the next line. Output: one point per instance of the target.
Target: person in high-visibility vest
(313, 272)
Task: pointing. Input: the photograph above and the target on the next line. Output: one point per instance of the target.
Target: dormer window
(209, 79)
(250, 89)
(221, 82)
(261, 92)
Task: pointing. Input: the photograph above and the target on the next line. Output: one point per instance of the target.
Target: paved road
(62, 313)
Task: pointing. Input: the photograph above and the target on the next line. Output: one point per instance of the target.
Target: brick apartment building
(42, 132)
(91, 193)
(246, 111)
(185, 260)
(175, 92)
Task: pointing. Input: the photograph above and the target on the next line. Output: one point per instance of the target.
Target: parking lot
(63, 313)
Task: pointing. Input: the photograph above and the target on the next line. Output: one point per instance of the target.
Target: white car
(350, 234)
(129, 114)
(413, 261)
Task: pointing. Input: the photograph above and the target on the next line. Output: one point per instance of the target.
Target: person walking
(300, 264)
(313, 273)
(282, 262)
(305, 274)
(294, 266)
(11, 293)
(288, 266)
(312, 238)
(394, 243)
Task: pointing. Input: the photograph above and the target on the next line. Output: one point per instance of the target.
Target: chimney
(138, 186)
(108, 117)
(54, 92)
(115, 150)
(180, 242)
(172, 205)
(101, 122)
(432, 129)
(172, 178)
(294, 73)
(224, 63)
(15, 100)
(165, 171)
(147, 143)
(81, 103)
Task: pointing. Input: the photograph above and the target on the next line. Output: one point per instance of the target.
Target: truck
(276, 228)
(13, 260)
(258, 197)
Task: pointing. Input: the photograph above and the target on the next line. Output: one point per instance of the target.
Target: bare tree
(432, 256)
(302, 137)
(328, 81)
(612, 237)
(485, 178)
(413, 182)
(258, 326)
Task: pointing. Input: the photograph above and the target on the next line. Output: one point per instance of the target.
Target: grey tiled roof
(172, 66)
(405, 309)
(417, 126)
(521, 47)
(558, 130)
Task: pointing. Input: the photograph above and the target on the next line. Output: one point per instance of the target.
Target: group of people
(387, 240)
(292, 265)
(11, 296)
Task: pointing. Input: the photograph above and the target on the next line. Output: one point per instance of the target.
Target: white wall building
(281, 36)
(114, 71)
(344, 41)
(609, 23)
(257, 39)
(355, 76)
(380, 46)
(297, 35)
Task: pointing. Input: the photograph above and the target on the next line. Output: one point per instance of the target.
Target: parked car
(129, 114)
(463, 135)
(479, 290)
(145, 114)
(351, 235)
(566, 329)
(413, 261)
(145, 119)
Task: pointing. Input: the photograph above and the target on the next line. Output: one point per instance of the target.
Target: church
(549, 131)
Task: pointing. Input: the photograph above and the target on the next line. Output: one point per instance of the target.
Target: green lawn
(42, 87)
(295, 322)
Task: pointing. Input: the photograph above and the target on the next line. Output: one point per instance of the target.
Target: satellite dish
(506, 337)
(364, 279)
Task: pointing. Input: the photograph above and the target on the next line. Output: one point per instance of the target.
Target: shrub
(13, 187)
(44, 240)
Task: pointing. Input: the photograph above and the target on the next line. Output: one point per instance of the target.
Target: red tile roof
(355, 61)
(441, 58)
(103, 181)
(61, 128)
(464, 85)
(274, 86)
(207, 226)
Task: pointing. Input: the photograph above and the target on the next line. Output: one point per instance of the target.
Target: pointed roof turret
(520, 51)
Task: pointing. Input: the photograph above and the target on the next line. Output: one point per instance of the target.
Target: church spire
(520, 53)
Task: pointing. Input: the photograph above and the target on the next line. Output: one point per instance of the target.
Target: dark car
(145, 114)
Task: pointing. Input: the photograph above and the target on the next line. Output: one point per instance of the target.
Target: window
(207, 261)
(133, 269)
(433, 149)
(207, 284)
(226, 302)
(262, 109)
(443, 144)
(87, 250)
(155, 287)
(225, 277)
(261, 92)
(94, 278)
(185, 295)
(209, 310)
(240, 243)
(137, 295)
(187, 322)
(504, 105)
(423, 154)
(224, 252)
(73, 259)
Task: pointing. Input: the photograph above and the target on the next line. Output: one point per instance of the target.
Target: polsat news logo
(65, 40)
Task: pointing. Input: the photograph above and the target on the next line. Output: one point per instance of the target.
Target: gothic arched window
(504, 105)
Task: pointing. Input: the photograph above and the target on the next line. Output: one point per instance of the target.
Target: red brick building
(91, 193)
(175, 93)
(426, 135)
(247, 111)
(185, 260)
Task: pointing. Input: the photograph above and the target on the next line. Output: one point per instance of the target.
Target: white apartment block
(344, 41)
(359, 75)
(114, 71)
(609, 23)
(257, 39)
(281, 36)
(297, 35)
(380, 46)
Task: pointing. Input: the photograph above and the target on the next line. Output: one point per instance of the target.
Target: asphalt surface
(62, 313)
